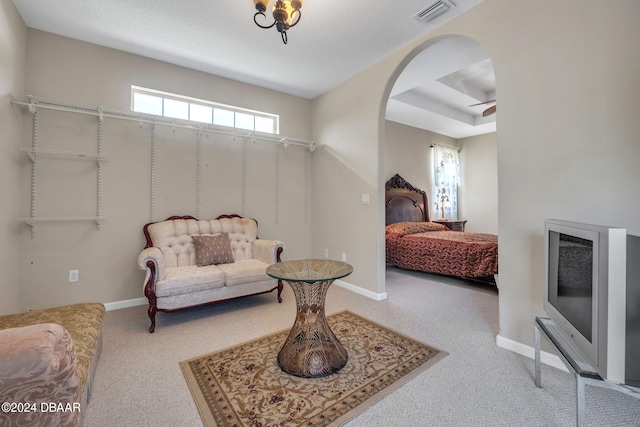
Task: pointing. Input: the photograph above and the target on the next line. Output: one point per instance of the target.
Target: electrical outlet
(344, 256)
(326, 253)
(73, 275)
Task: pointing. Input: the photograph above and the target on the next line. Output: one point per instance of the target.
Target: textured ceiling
(334, 41)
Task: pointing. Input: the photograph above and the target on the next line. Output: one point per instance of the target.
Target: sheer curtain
(446, 176)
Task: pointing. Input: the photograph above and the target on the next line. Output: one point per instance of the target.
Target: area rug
(243, 385)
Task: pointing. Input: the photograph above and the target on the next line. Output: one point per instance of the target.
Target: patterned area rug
(243, 385)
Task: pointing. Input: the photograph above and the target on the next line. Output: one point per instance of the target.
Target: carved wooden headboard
(404, 203)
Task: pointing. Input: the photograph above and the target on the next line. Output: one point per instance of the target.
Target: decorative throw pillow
(213, 249)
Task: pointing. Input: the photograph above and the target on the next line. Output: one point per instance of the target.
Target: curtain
(446, 176)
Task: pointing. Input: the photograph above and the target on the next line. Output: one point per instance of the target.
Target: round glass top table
(311, 350)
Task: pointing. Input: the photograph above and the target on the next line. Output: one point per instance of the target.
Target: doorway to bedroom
(444, 100)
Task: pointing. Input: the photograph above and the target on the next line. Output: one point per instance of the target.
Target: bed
(415, 243)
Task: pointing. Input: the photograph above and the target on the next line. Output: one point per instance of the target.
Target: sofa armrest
(154, 255)
(152, 260)
(38, 366)
(267, 250)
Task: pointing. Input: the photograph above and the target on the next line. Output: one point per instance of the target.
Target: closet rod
(35, 103)
(446, 146)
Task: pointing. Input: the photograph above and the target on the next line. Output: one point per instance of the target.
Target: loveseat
(190, 263)
(48, 360)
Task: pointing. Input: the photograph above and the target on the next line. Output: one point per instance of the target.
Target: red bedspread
(432, 248)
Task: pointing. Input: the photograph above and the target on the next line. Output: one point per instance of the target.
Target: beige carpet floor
(139, 381)
(244, 386)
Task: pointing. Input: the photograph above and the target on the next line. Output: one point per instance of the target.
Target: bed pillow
(213, 249)
(404, 228)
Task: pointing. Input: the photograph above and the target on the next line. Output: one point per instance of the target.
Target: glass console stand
(311, 350)
(584, 373)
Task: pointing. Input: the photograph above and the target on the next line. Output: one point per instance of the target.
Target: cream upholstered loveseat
(190, 263)
(48, 359)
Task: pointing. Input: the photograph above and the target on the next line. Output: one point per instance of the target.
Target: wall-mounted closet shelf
(61, 154)
(35, 104)
(36, 153)
(32, 221)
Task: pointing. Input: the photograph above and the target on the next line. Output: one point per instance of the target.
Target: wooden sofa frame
(149, 289)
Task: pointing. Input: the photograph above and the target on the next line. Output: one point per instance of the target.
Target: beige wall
(345, 166)
(567, 90)
(64, 69)
(13, 36)
(409, 154)
(478, 192)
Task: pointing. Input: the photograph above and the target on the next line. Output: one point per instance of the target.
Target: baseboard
(360, 291)
(530, 352)
(117, 305)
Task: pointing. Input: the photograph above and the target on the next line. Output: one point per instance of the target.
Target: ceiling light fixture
(286, 14)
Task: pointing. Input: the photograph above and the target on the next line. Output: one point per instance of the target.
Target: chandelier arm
(298, 16)
(265, 17)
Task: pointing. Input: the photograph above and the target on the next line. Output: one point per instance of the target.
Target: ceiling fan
(489, 111)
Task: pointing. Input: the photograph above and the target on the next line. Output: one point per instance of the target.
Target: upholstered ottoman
(49, 356)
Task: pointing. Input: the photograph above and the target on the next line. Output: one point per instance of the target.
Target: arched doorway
(441, 94)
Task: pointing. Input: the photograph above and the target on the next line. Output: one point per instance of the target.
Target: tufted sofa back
(173, 237)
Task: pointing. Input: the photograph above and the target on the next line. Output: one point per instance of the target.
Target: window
(446, 176)
(176, 109)
(200, 113)
(150, 101)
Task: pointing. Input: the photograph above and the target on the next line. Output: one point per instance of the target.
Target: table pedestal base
(311, 349)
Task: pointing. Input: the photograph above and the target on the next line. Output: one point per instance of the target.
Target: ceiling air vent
(434, 10)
